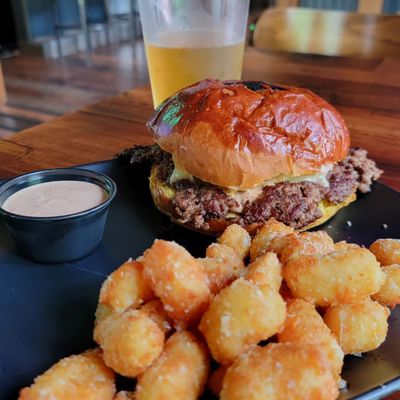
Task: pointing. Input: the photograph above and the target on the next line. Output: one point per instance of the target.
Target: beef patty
(293, 203)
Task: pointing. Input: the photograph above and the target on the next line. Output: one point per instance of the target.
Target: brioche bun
(238, 134)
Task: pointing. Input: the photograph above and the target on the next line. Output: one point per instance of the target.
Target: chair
(130, 14)
(327, 32)
(71, 24)
(92, 15)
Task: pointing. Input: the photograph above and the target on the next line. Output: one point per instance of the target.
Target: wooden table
(328, 32)
(365, 91)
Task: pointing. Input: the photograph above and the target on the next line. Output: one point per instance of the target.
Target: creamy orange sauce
(57, 198)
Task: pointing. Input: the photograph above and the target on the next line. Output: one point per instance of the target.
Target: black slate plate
(46, 311)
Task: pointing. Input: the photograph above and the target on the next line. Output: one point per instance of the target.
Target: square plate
(47, 311)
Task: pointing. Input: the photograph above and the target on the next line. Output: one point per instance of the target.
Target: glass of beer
(190, 40)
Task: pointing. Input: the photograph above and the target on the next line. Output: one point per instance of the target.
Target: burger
(244, 152)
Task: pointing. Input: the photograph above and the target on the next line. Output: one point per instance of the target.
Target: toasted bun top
(239, 134)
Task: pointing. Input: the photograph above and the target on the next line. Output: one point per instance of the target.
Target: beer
(179, 59)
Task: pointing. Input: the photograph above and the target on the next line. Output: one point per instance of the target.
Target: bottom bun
(163, 195)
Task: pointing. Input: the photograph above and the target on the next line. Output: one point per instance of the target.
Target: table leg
(3, 94)
(85, 29)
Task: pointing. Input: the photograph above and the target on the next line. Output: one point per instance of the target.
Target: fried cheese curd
(343, 245)
(178, 280)
(387, 251)
(237, 238)
(155, 310)
(270, 237)
(125, 287)
(306, 243)
(130, 341)
(280, 371)
(358, 327)
(389, 293)
(240, 316)
(180, 372)
(342, 276)
(292, 279)
(83, 376)
(222, 266)
(265, 270)
(102, 312)
(303, 324)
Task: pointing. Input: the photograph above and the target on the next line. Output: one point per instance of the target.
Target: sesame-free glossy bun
(238, 134)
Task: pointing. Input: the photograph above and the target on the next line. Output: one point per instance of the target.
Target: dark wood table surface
(365, 91)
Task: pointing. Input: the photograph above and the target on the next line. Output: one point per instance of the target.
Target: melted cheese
(320, 178)
(250, 194)
(180, 175)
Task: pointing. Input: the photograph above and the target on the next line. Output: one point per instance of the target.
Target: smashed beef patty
(293, 203)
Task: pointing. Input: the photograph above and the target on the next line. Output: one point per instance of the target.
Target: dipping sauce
(56, 198)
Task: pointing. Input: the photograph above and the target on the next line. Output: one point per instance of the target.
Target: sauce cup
(60, 238)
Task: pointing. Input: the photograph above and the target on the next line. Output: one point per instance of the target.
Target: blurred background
(59, 55)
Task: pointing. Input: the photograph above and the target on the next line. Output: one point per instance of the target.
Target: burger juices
(244, 152)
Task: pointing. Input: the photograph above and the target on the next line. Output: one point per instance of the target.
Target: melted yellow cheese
(319, 178)
(249, 194)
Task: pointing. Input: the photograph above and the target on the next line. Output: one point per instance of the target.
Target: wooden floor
(39, 89)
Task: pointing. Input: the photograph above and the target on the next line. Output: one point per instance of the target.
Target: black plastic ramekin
(62, 238)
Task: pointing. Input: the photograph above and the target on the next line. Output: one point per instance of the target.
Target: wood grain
(370, 6)
(39, 89)
(365, 91)
(338, 33)
(65, 86)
